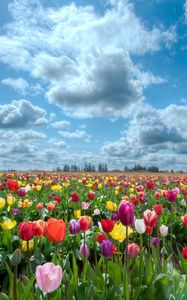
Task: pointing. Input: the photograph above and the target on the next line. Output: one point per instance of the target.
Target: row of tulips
(69, 237)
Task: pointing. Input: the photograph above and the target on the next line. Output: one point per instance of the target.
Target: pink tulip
(85, 205)
(48, 277)
(133, 250)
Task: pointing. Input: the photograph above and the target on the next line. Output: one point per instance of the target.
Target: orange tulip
(55, 230)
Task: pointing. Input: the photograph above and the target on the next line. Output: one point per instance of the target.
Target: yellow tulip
(116, 192)
(38, 188)
(24, 246)
(10, 199)
(8, 224)
(56, 188)
(111, 206)
(77, 213)
(100, 186)
(119, 232)
(2, 202)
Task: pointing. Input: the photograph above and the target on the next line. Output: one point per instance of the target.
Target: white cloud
(85, 58)
(21, 114)
(60, 124)
(77, 134)
(21, 86)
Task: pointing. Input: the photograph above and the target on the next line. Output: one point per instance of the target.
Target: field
(93, 236)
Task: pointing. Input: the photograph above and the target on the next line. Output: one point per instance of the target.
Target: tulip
(150, 218)
(107, 225)
(163, 230)
(140, 226)
(101, 238)
(184, 252)
(91, 195)
(133, 250)
(158, 209)
(39, 228)
(106, 248)
(27, 246)
(171, 195)
(84, 250)
(26, 230)
(96, 212)
(155, 241)
(39, 206)
(2, 202)
(184, 220)
(55, 230)
(12, 185)
(111, 206)
(126, 214)
(77, 213)
(119, 232)
(74, 197)
(85, 205)
(74, 227)
(10, 199)
(8, 224)
(48, 277)
(85, 222)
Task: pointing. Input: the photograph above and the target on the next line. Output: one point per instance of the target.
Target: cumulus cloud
(60, 124)
(21, 86)
(85, 58)
(77, 134)
(157, 136)
(21, 114)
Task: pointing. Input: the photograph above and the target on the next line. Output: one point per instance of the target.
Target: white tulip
(140, 226)
(163, 230)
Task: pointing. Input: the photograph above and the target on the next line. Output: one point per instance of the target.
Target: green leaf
(4, 297)
(27, 292)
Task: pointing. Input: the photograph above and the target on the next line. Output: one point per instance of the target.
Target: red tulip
(171, 195)
(184, 252)
(101, 238)
(26, 230)
(107, 225)
(184, 220)
(150, 185)
(158, 209)
(85, 222)
(150, 220)
(74, 197)
(55, 230)
(12, 185)
(91, 195)
(39, 228)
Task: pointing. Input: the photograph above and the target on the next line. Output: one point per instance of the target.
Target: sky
(93, 81)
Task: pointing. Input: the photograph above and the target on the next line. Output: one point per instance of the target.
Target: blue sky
(91, 81)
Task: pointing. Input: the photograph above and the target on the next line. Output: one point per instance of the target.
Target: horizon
(93, 81)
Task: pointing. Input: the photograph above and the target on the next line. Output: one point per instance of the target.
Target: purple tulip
(115, 216)
(84, 250)
(155, 241)
(126, 214)
(106, 248)
(74, 227)
(15, 211)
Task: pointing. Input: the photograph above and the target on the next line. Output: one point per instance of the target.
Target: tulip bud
(74, 227)
(126, 213)
(15, 258)
(184, 220)
(133, 250)
(184, 252)
(163, 230)
(140, 226)
(106, 248)
(155, 241)
(84, 250)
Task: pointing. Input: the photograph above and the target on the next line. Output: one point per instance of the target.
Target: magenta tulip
(106, 248)
(48, 277)
(126, 214)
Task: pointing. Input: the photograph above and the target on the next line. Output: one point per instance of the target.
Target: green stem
(74, 242)
(28, 259)
(126, 244)
(106, 269)
(15, 279)
(149, 245)
(84, 234)
(132, 280)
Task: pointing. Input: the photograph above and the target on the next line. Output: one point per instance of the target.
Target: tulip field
(93, 236)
